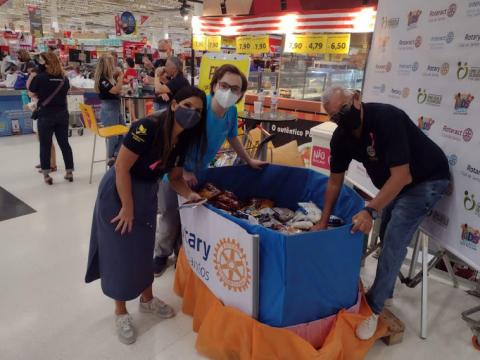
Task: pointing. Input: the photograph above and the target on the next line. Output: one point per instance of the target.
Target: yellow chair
(90, 123)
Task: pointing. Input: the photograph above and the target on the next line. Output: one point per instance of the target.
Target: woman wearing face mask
(124, 219)
(108, 84)
(228, 87)
(168, 80)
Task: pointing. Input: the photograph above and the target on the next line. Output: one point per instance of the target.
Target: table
(138, 101)
(266, 119)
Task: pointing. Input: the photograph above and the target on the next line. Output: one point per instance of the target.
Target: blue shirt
(219, 129)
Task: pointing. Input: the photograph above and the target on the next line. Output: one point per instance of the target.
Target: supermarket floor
(47, 312)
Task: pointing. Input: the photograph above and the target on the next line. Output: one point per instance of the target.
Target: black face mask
(348, 118)
(187, 118)
(42, 67)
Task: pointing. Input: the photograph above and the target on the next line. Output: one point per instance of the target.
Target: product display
(263, 211)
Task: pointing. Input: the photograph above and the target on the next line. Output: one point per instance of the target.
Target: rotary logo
(452, 9)
(467, 135)
(418, 41)
(452, 160)
(231, 265)
(405, 92)
(444, 69)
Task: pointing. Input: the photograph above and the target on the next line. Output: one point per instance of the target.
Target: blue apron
(123, 262)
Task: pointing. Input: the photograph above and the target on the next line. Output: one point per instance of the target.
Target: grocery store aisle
(48, 312)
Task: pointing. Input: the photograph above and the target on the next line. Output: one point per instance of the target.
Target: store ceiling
(96, 15)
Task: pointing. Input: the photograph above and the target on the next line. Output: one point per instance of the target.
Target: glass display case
(265, 80)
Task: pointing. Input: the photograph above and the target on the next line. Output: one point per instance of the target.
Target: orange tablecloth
(227, 333)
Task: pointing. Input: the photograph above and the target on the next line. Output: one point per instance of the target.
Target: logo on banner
(452, 160)
(379, 89)
(410, 44)
(231, 265)
(427, 98)
(395, 93)
(470, 40)
(439, 218)
(321, 157)
(406, 69)
(473, 8)
(390, 23)
(470, 204)
(383, 68)
(466, 71)
(472, 173)
(462, 103)
(382, 43)
(436, 70)
(470, 236)
(457, 134)
(425, 123)
(439, 42)
(442, 14)
(412, 19)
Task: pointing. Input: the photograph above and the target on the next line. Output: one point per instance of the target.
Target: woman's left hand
(193, 196)
(256, 164)
(124, 219)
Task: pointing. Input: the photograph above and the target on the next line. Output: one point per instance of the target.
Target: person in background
(108, 84)
(165, 51)
(227, 88)
(123, 228)
(168, 80)
(10, 74)
(25, 59)
(117, 62)
(52, 117)
(410, 170)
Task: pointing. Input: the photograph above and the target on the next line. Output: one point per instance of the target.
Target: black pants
(49, 124)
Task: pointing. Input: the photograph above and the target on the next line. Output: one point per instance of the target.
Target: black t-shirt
(105, 86)
(43, 85)
(389, 138)
(148, 166)
(159, 62)
(174, 84)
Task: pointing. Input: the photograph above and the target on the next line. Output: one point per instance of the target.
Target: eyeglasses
(237, 90)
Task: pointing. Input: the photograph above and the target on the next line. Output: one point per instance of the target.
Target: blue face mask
(187, 118)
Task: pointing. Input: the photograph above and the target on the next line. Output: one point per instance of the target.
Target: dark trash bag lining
(303, 277)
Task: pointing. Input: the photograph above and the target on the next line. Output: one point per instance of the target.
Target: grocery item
(209, 191)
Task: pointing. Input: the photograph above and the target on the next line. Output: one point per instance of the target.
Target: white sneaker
(157, 307)
(367, 328)
(125, 330)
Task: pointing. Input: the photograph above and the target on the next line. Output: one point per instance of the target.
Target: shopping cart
(74, 99)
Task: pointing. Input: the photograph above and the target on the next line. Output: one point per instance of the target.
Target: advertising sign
(36, 25)
(223, 255)
(424, 60)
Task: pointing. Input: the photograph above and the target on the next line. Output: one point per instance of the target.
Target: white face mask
(162, 55)
(226, 98)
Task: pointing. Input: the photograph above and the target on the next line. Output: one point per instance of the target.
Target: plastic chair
(90, 123)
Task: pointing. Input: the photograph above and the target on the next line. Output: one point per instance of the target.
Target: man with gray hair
(168, 80)
(408, 168)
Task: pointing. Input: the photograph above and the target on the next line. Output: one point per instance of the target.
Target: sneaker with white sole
(157, 307)
(367, 328)
(125, 330)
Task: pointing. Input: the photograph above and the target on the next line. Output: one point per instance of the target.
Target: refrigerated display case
(265, 80)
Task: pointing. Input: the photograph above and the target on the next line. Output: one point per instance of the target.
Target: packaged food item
(283, 214)
(335, 221)
(302, 225)
(209, 191)
(312, 212)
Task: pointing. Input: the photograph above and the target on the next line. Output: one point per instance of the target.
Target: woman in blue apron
(124, 219)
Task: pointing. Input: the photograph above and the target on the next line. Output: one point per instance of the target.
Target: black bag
(47, 101)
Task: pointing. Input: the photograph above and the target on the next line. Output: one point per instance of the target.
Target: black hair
(194, 140)
(130, 62)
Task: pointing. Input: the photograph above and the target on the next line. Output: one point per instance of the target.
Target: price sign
(305, 44)
(199, 42)
(214, 43)
(338, 44)
(228, 42)
(253, 44)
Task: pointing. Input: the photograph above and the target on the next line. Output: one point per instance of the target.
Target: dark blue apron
(123, 262)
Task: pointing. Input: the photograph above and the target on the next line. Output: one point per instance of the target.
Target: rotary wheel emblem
(231, 265)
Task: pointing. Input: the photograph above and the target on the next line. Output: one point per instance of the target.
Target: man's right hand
(319, 226)
(190, 178)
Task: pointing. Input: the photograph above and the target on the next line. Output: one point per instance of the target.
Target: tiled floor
(47, 312)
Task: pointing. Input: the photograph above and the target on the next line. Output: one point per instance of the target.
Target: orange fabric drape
(227, 333)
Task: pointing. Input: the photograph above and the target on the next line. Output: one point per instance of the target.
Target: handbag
(36, 112)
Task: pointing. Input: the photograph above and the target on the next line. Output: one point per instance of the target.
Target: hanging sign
(128, 22)
(228, 42)
(305, 44)
(214, 43)
(199, 42)
(253, 44)
(36, 25)
(338, 44)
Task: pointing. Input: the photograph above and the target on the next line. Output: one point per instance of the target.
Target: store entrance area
(48, 312)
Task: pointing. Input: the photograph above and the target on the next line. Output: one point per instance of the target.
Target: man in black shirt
(168, 81)
(410, 170)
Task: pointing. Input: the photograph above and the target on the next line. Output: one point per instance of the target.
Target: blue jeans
(110, 115)
(400, 219)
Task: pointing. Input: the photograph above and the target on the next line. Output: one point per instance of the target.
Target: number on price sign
(338, 44)
(305, 44)
(253, 44)
(199, 43)
(214, 43)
